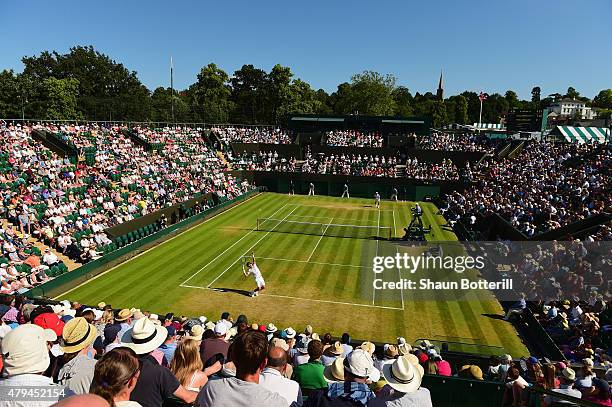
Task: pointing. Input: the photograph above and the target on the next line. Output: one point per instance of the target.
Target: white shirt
(254, 270)
(50, 258)
(272, 380)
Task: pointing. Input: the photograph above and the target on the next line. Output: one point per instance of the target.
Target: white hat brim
(402, 387)
(161, 333)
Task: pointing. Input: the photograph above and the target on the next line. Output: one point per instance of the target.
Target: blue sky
(489, 45)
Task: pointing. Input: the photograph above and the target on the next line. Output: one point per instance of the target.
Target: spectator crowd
(353, 138)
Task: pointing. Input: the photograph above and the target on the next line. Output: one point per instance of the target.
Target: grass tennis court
(310, 278)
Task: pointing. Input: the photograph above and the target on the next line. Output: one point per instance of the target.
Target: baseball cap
(220, 328)
(359, 363)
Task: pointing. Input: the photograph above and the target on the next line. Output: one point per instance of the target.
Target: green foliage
(372, 93)
(603, 99)
(106, 89)
(85, 83)
(211, 95)
(61, 99)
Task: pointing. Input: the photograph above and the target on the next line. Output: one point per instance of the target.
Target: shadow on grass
(493, 316)
(232, 290)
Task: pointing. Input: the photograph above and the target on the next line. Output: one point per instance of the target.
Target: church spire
(440, 92)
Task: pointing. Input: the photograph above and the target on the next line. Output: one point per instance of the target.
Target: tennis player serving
(251, 268)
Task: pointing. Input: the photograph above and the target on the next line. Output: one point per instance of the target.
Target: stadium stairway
(71, 264)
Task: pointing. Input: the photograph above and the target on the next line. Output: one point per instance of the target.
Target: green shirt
(310, 375)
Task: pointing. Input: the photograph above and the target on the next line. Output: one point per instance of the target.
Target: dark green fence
(88, 271)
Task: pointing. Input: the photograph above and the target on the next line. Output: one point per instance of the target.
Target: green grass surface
(322, 281)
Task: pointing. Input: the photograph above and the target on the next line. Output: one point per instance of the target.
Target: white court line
(156, 246)
(319, 241)
(305, 299)
(225, 251)
(399, 271)
(312, 262)
(377, 244)
(249, 249)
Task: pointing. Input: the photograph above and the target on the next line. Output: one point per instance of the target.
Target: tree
(372, 93)
(9, 94)
(403, 101)
(249, 95)
(342, 99)
(512, 99)
(210, 96)
(494, 107)
(458, 109)
(603, 99)
(572, 93)
(279, 97)
(161, 106)
(439, 115)
(61, 99)
(107, 90)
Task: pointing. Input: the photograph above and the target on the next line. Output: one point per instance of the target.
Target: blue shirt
(168, 350)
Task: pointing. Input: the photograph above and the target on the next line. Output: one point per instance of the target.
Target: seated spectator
(155, 383)
(216, 345)
(273, 377)
(598, 393)
(331, 353)
(403, 388)
(310, 375)
(25, 358)
(249, 353)
(514, 388)
(188, 368)
(471, 372)
(89, 400)
(169, 346)
(77, 363)
(566, 387)
(353, 391)
(115, 377)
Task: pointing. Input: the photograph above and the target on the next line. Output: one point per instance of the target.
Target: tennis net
(324, 229)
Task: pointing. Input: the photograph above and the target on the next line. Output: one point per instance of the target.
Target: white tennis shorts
(260, 282)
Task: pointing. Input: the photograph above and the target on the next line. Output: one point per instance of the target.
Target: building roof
(583, 135)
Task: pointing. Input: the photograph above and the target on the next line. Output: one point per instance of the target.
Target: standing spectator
(156, 382)
(115, 377)
(78, 360)
(187, 365)
(403, 376)
(310, 375)
(353, 391)
(213, 346)
(249, 353)
(25, 358)
(272, 377)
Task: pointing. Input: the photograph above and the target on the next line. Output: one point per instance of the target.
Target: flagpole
(172, 87)
(480, 115)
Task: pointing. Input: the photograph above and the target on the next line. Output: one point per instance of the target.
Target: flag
(483, 96)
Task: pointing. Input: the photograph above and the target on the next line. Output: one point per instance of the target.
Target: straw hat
(391, 351)
(336, 348)
(123, 315)
(196, 332)
(78, 334)
(144, 337)
(335, 371)
(368, 347)
(402, 375)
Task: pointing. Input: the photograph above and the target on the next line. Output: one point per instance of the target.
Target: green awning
(583, 135)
